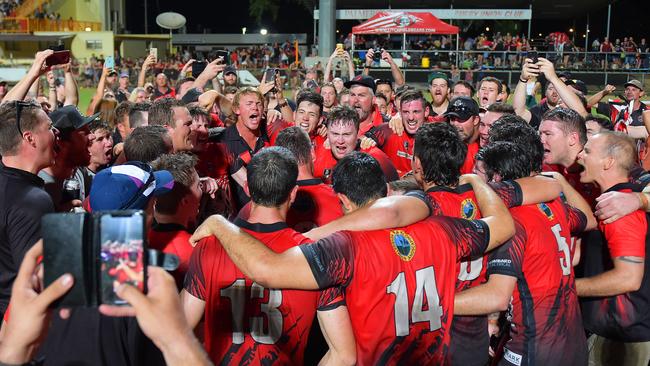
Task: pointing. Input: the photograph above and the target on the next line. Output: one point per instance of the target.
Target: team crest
(468, 209)
(403, 244)
(327, 173)
(546, 211)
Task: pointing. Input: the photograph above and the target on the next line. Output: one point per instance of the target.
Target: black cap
(364, 80)
(112, 72)
(564, 74)
(462, 108)
(577, 85)
(230, 69)
(191, 96)
(68, 119)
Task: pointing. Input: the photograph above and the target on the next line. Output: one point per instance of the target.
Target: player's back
(316, 204)
(246, 323)
(546, 319)
(401, 295)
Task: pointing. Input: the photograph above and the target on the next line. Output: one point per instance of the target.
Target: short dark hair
(359, 177)
(405, 185)
(413, 95)
(196, 110)
(161, 112)
(570, 121)
(465, 84)
(98, 125)
(382, 96)
(312, 97)
(183, 81)
(508, 159)
(491, 79)
(297, 141)
(602, 121)
(123, 109)
(501, 107)
(229, 89)
(512, 128)
(272, 174)
(441, 152)
(342, 115)
(10, 137)
(181, 166)
(147, 143)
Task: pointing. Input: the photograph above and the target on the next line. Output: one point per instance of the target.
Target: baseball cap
(437, 75)
(124, 74)
(462, 108)
(635, 83)
(68, 118)
(112, 72)
(230, 69)
(128, 186)
(364, 80)
(578, 85)
(564, 74)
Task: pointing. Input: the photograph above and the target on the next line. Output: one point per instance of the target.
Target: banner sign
(494, 14)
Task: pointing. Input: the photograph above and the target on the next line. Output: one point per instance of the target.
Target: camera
(376, 54)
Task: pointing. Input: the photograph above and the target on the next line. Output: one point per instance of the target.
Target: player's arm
(575, 199)
(337, 330)
(70, 87)
(626, 276)
(538, 189)
(495, 213)
(386, 212)
(490, 297)
(612, 206)
(193, 308)
(519, 96)
(289, 269)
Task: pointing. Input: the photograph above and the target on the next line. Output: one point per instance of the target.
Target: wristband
(523, 81)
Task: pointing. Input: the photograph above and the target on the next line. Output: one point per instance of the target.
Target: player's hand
(367, 143)
(385, 55)
(209, 186)
(29, 317)
(212, 69)
(265, 87)
(609, 89)
(272, 115)
(208, 228)
(369, 56)
(612, 206)
(322, 130)
(469, 179)
(187, 66)
(493, 330)
(396, 125)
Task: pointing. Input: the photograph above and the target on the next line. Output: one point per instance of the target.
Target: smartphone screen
(270, 75)
(225, 54)
(109, 63)
(154, 52)
(121, 255)
(58, 58)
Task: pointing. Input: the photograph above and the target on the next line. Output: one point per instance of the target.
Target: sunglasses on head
(20, 105)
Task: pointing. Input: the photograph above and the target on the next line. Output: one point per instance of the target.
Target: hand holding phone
(58, 58)
(154, 53)
(532, 55)
(109, 63)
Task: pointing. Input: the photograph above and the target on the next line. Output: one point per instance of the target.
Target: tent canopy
(404, 23)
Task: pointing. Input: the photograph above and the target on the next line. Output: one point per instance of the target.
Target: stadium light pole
(609, 17)
(326, 26)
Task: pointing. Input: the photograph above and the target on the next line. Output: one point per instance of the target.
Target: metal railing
(26, 25)
(512, 60)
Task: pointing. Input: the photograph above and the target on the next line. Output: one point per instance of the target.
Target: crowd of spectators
(8, 8)
(472, 224)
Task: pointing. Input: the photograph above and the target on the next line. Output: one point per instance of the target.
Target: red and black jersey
(246, 323)
(325, 163)
(546, 325)
(274, 129)
(624, 317)
(588, 191)
(316, 204)
(172, 239)
(399, 285)
(470, 158)
(469, 338)
(239, 154)
(399, 149)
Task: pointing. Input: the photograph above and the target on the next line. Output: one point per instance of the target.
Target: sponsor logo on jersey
(403, 244)
(468, 209)
(546, 211)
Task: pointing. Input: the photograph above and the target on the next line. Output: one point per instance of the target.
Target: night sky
(626, 19)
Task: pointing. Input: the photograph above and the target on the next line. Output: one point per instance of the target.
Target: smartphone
(154, 52)
(198, 67)
(58, 58)
(269, 75)
(122, 254)
(533, 56)
(225, 54)
(339, 48)
(109, 63)
(312, 84)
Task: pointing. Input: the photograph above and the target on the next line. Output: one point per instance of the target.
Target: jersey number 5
(563, 246)
(237, 295)
(425, 286)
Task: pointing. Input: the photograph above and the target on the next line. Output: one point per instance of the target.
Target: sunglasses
(20, 105)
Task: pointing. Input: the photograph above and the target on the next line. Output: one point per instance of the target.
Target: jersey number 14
(425, 287)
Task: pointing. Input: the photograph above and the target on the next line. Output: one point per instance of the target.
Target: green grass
(85, 95)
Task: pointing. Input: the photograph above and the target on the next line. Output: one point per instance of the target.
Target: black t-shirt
(536, 114)
(22, 205)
